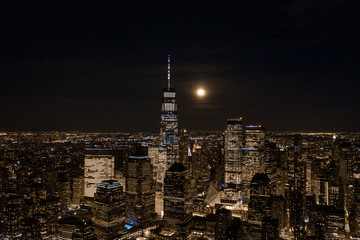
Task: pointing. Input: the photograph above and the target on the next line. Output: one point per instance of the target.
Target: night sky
(95, 66)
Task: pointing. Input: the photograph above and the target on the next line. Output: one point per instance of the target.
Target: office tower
(321, 189)
(275, 168)
(278, 209)
(202, 160)
(121, 154)
(139, 189)
(296, 209)
(330, 223)
(254, 156)
(255, 137)
(260, 204)
(223, 220)
(296, 190)
(169, 143)
(254, 161)
(210, 226)
(296, 171)
(308, 154)
(354, 217)
(77, 191)
(99, 166)
(75, 228)
(336, 186)
(184, 148)
(65, 193)
(11, 216)
(153, 153)
(177, 197)
(310, 216)
(109, 209)
(234, 143)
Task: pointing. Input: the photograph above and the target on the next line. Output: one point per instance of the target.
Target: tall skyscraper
(169, 143)
(234, 143)
(109, 209)
(254, 157)
(99, 166)
(254, 151)
(140, 189)
(260, 205)
(177, 197)
(223, 220)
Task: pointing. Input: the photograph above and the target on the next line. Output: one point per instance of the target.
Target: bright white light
(200, 92)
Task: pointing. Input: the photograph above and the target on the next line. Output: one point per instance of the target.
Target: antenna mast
(168, 71)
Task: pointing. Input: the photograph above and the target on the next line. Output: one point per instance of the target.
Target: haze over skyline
(101, 67)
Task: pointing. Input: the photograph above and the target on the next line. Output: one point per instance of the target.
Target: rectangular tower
(109, 209)
(234, 143)
(98, 166)
(139, 189)
(254, 152)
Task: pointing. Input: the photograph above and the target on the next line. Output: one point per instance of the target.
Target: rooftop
(109, 184)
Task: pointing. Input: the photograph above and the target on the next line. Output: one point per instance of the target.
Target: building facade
(98, 166)
(233, 151)
(140, 189)
(177, 197)
(109, 210)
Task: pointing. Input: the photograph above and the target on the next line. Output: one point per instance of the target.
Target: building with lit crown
(169, 143)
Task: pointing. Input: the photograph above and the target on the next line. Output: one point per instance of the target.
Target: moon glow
(200, 92)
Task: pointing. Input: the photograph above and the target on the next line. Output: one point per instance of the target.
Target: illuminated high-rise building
(169, 143)
(139, 189)
(99, 166)
(109, 209)
(177, 197)
(254, 156)
(234, 143)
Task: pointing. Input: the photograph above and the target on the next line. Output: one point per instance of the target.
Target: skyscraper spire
(168, 71)
(169, 140)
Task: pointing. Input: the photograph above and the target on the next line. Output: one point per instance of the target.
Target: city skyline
(99, 68)
(241, 183)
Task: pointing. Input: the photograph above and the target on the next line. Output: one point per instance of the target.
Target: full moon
(200, 92)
